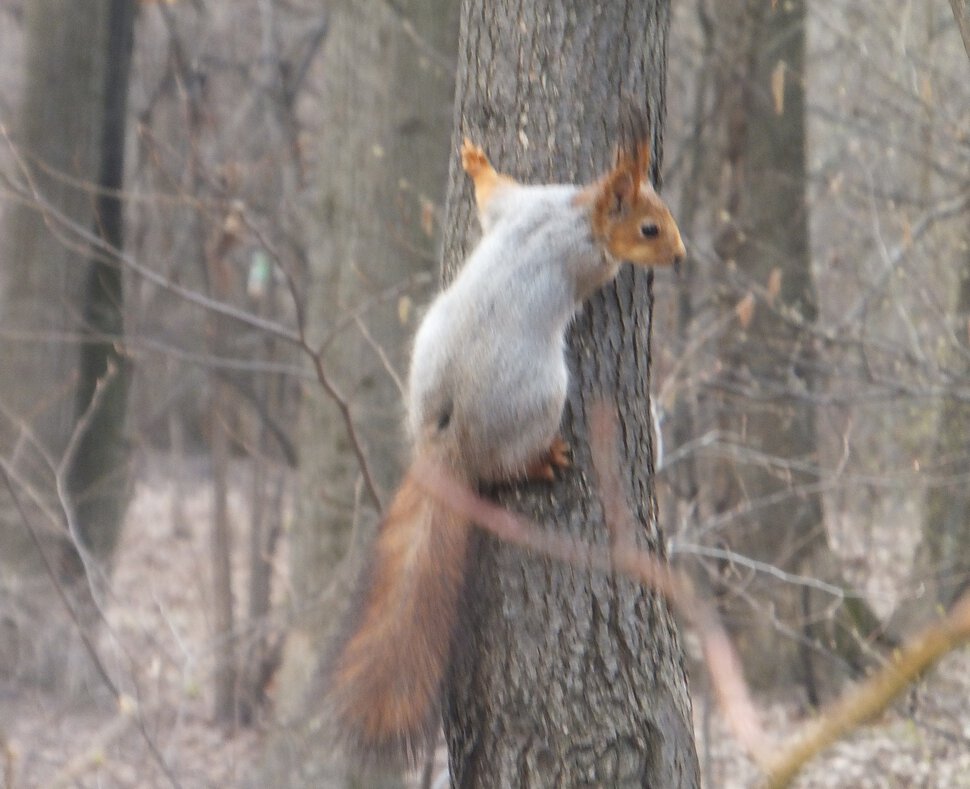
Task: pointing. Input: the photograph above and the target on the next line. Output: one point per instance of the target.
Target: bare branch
(762, 567)
(56, 220)
(640, 566)
(52, 573)
(873, 696)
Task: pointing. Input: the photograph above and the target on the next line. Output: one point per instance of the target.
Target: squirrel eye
(649, 230)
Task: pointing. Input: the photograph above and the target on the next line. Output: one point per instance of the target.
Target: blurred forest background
(220, 221)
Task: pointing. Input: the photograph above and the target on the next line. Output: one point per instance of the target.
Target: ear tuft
(633, 148)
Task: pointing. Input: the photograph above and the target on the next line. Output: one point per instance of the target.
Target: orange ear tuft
(633, 149)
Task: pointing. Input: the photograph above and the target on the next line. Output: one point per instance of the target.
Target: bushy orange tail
(386, 677)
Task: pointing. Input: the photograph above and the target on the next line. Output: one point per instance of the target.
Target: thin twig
(762, 567)
(298, 338)
(59, 589)
(382, 355)
(95, 577)
(892, 258)
(55, 221)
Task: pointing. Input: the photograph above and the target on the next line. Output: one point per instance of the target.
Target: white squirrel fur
(491, 347)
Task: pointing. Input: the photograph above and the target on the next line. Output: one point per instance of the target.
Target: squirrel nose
(680, 251)
(679, 254)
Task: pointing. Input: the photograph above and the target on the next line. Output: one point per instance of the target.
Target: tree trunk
(763, 401)
(941, 568)
(389, 95)
(71, 140)
(564, 677)
(98, 477)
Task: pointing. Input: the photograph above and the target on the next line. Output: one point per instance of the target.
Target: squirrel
(486, 391)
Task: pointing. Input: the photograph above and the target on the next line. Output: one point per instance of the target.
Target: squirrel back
(486, 391)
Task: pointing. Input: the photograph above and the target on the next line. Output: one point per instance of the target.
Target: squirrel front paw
(473, 159)
(543, 468)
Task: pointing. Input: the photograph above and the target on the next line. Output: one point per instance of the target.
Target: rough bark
(563, 677)
(72, 113)
(389, 90)
(941, 568)
(785, 631)
(941, 565)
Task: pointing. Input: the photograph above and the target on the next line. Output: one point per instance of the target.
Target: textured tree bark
(389, 96)
(942, 564)
(70, 138)
(564, 677)
(785, 632)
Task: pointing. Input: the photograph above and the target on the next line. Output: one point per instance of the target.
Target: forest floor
(158, 650)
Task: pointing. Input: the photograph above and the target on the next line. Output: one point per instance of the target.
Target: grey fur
(488, 375)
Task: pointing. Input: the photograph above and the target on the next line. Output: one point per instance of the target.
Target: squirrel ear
(621, 190)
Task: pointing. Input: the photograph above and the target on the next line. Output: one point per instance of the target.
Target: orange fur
(621, 210)
(623, 201)
(385, 682)
(625, 204)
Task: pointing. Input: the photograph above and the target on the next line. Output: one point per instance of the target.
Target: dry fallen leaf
(778, 86)
(774, 283)
(745, 310)
(427, 216)
(404, 310)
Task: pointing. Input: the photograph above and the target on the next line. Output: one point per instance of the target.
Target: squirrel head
(629, 218)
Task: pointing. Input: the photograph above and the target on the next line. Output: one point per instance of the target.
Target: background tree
(882, 204)
(941, 568)
(566, 677)
(221, 157)
(98, 476)
(961, 12)
(389, 91)
(763, 485)
(229, 128)
(63, 405)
